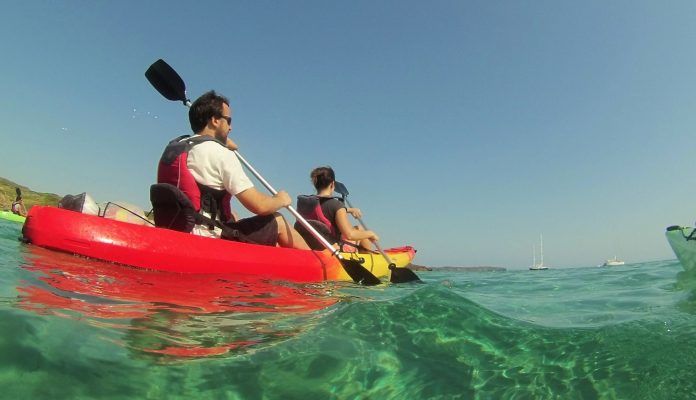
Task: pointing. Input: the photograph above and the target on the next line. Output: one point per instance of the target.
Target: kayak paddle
(170, 85)
(398, 275)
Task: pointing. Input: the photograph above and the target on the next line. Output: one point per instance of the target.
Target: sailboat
(613, 262)
(540, 265)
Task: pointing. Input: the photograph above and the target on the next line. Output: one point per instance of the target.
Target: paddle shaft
(398, 275)
(379, 248)
(294, 212)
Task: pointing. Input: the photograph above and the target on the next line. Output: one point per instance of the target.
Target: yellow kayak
(376, 264)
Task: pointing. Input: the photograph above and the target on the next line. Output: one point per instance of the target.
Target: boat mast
(533, 256)
(541, 249)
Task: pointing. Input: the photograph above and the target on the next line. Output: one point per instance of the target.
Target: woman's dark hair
(19, 194)
(322, 177)
(205, 107)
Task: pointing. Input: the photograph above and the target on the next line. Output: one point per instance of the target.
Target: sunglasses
(226, 118)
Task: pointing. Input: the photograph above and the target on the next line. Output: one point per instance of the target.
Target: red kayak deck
(167, 250)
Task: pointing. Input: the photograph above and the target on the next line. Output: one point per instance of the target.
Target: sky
(463, 128)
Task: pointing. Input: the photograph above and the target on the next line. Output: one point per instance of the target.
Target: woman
(332, 213)
(18, 205)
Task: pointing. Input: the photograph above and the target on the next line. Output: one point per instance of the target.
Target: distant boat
(613, 262)
(540, 265)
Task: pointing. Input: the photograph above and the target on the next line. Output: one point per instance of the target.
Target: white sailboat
(613, 262)
(540, 265)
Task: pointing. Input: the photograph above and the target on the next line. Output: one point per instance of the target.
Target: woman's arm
(355, 212)
(347, 230)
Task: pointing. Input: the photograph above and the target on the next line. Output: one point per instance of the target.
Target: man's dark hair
(205, 107)
(322, 177)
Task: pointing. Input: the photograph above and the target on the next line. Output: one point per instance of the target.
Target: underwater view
(74, 328)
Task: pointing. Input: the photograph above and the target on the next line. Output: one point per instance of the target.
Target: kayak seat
(320, 227)
(171, 208)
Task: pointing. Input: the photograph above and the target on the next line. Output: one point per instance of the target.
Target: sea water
(73, 328)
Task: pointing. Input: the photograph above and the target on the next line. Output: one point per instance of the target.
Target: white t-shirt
(219, 168)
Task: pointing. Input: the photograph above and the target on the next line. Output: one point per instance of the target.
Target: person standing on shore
(18, 205)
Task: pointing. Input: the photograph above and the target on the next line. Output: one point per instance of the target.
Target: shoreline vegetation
(31, 198)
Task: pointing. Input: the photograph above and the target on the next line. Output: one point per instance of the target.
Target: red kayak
(167, 250)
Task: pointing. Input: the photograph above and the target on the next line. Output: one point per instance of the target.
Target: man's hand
(231, 145)
(283, 198)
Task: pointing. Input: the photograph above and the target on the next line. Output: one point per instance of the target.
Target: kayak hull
(166, 250)
(683, 243)
(10, 216)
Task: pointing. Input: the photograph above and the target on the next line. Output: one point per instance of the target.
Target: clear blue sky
(464, 128)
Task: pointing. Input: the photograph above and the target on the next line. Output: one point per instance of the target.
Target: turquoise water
(72, 328)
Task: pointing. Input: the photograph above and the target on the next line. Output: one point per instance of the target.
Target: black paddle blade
(340, 188)
(402, 275)
(359, 274)
(163, 78)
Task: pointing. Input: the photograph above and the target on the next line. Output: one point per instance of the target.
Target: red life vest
(172, 169)
(309, 207)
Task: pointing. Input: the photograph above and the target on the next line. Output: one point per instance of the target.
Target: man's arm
(263, 204)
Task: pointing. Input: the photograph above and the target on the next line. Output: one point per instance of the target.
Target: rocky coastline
(479, 268)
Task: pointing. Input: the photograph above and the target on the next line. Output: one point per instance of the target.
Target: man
(219, 176)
